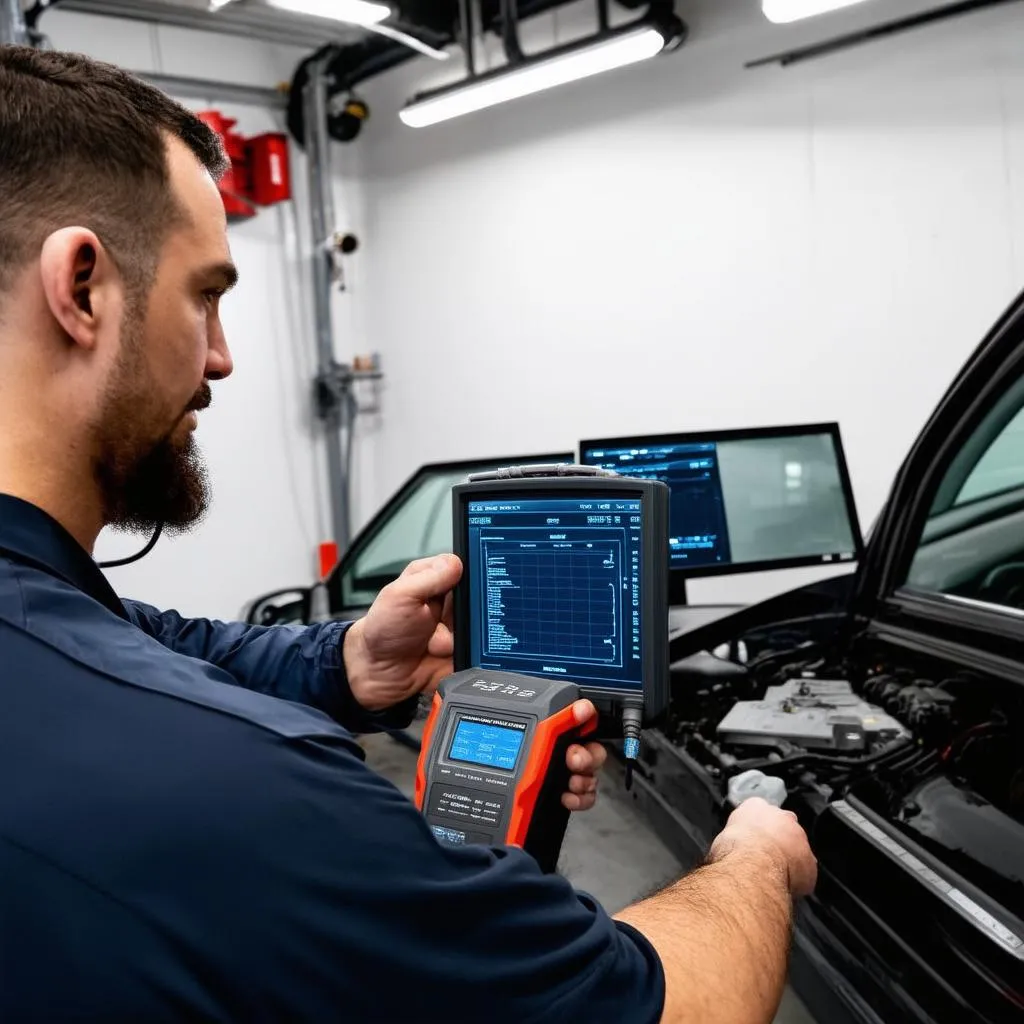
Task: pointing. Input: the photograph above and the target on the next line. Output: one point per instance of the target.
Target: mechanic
(187, 827)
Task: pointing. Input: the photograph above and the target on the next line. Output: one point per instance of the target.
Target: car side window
(972, 545)
(1001, 468)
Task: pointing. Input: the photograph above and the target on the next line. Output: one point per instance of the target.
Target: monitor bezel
(679, 576)
(654, 562)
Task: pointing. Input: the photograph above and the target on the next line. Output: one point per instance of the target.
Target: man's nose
(219, 363)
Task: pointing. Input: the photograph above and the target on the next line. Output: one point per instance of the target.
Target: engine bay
(938, 754)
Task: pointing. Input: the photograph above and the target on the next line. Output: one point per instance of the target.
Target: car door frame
(982, 634)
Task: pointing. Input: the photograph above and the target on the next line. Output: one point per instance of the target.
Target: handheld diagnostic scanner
(564, 594)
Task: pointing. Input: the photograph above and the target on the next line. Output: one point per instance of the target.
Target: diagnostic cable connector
(632, 726)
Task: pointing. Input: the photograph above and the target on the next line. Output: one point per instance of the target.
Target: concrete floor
(609, 851)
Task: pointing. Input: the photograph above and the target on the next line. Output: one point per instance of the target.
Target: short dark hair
(83, 142)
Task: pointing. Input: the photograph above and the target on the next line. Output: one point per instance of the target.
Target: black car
(915, 803)
(890, 702)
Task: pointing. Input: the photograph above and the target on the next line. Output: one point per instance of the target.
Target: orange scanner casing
(492, 765)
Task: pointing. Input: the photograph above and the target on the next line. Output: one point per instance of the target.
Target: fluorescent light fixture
(353, 12)
(535, 75)
(784, 11)
(216, 5)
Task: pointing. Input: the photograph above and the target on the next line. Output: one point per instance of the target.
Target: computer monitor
(744, 500)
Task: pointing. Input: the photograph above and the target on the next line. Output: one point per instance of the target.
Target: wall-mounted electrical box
(259, 173)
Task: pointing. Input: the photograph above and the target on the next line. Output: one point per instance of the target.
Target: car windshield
(417, 526)
(415, 523)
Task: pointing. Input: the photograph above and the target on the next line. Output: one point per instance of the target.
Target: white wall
(679, 245)
(687, 244)
(265, 524)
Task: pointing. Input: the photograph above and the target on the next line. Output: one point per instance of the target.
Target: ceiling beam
(213, 91)
(249, 20)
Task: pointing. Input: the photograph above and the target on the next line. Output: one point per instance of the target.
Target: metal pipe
(207, 89)
(12, 23)
(875, 32)
(466, 23)
(251, 21)
(602, 15)
(321, 205)
(510, 31)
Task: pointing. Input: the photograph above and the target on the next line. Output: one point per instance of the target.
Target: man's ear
(78, 276)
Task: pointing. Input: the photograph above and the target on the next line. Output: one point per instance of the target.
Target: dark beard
(147, 484)
(164, 486)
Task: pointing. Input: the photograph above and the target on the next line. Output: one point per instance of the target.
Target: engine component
(814, 713)
(755, 783)
(927, 709)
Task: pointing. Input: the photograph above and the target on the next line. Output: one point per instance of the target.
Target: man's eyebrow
(226, 271)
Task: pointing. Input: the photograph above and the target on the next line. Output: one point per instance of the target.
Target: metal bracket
(13, 28)
(334, 392)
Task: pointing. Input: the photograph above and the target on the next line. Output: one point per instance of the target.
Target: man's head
(113, 257)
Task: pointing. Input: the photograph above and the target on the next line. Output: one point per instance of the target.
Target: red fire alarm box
(234, 186)
(269, 174)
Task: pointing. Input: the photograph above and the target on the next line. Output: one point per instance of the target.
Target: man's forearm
(722, 933)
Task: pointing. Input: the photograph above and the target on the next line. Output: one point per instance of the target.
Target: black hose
(836, 760)
(405, 739)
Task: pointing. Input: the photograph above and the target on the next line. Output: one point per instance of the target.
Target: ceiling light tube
(352, 12)
(784, 11)
(535, 74)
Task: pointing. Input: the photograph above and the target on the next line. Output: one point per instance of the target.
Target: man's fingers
(573, 802)
(583, 711)
(588, 759)
(448, 612)
(582, 784)
(433, 670)
(427, 579)
(442, 643)
(420, 565)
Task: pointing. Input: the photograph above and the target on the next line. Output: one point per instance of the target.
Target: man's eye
(211, 295)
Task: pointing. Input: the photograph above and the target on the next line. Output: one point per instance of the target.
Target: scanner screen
(493, 746)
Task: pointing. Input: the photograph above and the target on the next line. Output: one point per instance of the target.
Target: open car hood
(829, 598)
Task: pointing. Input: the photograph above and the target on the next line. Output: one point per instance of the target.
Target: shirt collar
(29, 535)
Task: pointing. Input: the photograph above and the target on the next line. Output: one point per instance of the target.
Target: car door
(922, 870)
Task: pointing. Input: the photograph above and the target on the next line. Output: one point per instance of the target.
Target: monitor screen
(761, 498)
(555, 585)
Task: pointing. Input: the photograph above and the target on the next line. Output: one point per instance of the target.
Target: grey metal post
(12, 23)
(321, 204)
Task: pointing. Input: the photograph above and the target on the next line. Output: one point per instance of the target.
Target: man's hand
(723, 931)
(404, 646)
(757, 824)
(584, 762)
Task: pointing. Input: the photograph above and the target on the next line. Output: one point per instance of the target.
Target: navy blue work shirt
(188, 832)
